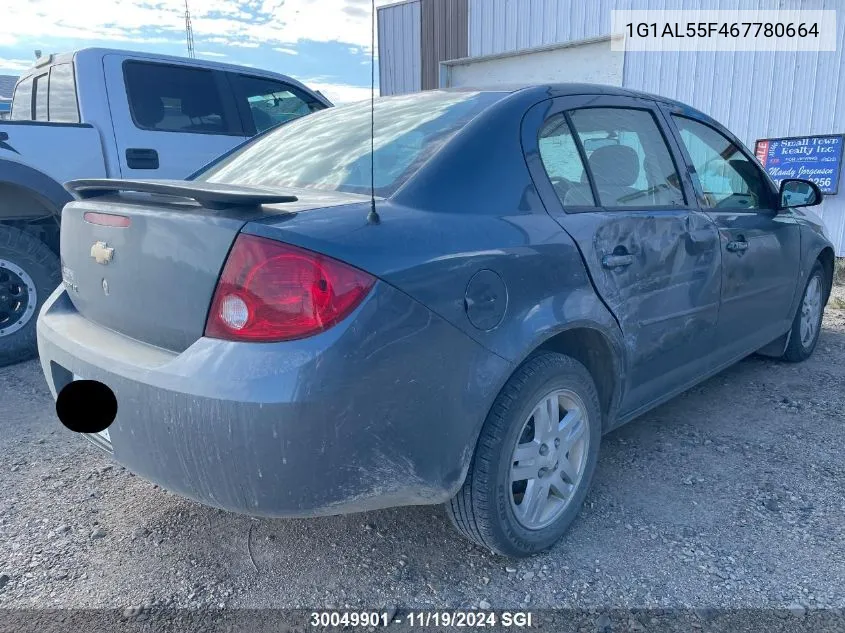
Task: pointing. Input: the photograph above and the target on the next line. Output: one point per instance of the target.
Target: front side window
(330, 149)
(728, 178)
(22, 102)
(628, 158)
(563, 164)
(174, 98)
(41, 85)
(270, 102)
(62, 97)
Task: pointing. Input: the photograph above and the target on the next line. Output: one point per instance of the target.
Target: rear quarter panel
(471, 208)
(44, 147)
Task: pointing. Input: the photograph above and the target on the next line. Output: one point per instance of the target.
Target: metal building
(425, 44)
(7, 87)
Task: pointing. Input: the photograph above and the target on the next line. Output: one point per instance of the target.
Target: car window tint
(563, 164)
(41, 84)
(174, 99)
(271, 102)
(628, 158)
(330, 149)
(62, 97)
(728, 178)
(22, 102)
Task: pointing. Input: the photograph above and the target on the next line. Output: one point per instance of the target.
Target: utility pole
(189, 32)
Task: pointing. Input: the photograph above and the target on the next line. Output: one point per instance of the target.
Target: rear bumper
(382, 410)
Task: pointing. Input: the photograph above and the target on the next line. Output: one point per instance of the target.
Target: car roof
(562, 90)
(553, 90)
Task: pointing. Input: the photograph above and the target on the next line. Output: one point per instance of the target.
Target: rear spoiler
(210, 195)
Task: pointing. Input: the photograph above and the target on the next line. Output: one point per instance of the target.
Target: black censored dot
(86, 406)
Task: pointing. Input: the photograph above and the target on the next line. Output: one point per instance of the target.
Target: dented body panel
(478, 264)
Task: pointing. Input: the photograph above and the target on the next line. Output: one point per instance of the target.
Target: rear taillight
(270, 291)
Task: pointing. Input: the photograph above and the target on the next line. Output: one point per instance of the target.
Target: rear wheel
(807, 324)
(534, 460)
(29, 272)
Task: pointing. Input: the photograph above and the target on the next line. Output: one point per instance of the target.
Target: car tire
(807, 324)
(488, 509)
(29, 272)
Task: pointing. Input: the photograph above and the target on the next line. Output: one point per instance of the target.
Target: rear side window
(563, 164)
(62, 96)
(174, 99)
(270, 103)
(41, 84)
(628, 158)
(22, 102)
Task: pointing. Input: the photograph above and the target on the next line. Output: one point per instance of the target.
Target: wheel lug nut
(544, 450)
(542, 472)
(557, 442)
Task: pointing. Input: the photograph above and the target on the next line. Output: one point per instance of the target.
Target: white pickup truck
(100, 113)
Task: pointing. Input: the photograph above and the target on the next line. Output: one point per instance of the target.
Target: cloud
(337, 92)
(286, 51)
(210, 54)
(231, 22)
(16, 65)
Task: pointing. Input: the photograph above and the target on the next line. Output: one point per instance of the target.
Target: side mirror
(799, 193)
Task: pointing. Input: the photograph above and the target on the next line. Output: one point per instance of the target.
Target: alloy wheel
(549, 459)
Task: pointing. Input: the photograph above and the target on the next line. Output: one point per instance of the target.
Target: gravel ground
(732, 495)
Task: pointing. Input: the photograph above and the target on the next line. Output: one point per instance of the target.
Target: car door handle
(617, 261)
(4, 136)
(737, 246)
(141, 158)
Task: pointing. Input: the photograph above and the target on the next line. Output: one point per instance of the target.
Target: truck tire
(29, 272)
(540, 443)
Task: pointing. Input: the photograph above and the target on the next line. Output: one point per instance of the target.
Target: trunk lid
(143, 257)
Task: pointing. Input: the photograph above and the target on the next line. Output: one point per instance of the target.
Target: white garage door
(588, 61)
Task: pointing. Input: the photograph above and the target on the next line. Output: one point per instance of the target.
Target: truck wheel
(534, 460)
(29, 272)
(807, 324)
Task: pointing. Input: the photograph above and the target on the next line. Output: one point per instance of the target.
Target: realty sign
(816, 158)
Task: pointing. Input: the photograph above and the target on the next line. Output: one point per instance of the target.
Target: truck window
(174, 99)
(62, 96)
(22, 102)
(41, 83)
(272, 102)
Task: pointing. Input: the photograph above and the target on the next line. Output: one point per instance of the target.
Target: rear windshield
(330, 149)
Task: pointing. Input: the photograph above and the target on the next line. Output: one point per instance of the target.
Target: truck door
(169, 119)
(607, 172)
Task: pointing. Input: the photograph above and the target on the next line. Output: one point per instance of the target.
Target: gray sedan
(534, 268)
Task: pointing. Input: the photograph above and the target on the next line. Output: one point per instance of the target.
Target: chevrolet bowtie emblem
(102, 253)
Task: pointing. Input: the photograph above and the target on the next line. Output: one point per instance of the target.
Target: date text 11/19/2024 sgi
(458, 619)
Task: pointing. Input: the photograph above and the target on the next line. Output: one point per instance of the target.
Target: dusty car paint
(384, 409)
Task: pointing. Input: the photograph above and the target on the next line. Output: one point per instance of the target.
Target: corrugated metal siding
(755, 94)
(444, 36)
(498, 26)
(400, 65)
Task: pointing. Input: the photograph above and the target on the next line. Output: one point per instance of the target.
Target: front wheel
(807, 324)
(29, 272)
(534, 460)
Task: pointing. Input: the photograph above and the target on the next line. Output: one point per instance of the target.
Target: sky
(323, 43)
